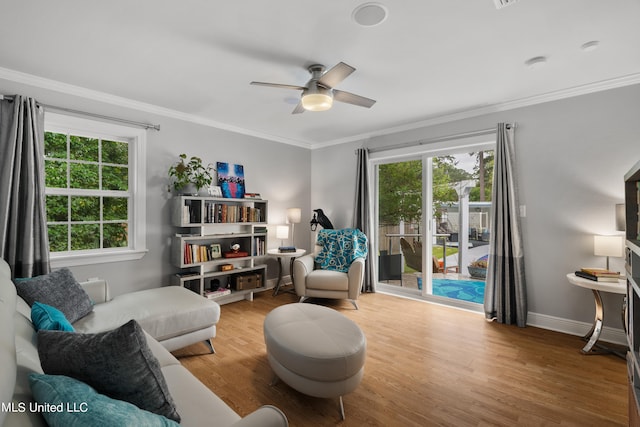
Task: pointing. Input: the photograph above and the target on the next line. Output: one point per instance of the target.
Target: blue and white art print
(231, 180)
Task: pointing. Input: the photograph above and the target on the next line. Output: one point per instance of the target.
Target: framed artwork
(231, 180)
(216, 251)
(215, 191)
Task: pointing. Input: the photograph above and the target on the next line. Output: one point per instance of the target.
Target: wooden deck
(427, 365)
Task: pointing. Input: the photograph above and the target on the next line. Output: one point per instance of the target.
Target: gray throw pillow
(116, 363)
(58, 289)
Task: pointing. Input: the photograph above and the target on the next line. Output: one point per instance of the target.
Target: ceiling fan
(319, 93)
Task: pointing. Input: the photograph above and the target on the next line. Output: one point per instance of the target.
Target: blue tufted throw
(340, 248)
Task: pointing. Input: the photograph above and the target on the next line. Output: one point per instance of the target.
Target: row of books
(259, 246)
(194, 253)
(200, 253)
(599, 274)
(222, 213)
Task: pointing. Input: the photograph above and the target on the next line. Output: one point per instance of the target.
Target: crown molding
(94, 95)
(69, 89)
(585, 89)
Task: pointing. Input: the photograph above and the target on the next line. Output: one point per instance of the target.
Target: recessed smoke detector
(536, 61)
(589, 46)
(370, 14)
(503, 3)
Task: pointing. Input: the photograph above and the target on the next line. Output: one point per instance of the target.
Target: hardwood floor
(427, 365)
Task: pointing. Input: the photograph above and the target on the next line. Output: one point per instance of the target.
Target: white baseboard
(573, 327)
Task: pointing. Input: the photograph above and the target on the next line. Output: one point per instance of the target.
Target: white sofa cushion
(164, 312)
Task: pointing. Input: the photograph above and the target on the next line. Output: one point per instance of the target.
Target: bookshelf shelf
(632, 266)
(206, 230)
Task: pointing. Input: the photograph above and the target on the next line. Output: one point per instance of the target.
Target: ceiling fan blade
(299, 109)
(352, 98)
(278, 85)
(335, 75)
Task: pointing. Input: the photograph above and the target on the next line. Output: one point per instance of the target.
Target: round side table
(592, 337)
(281, 256)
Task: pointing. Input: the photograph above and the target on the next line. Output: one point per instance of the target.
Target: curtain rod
(84, 113)
(439, 139)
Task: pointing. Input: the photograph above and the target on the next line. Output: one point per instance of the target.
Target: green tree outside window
(75, 165)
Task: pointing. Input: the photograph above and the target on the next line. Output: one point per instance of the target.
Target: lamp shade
(282, 232)
(621, 224)
(294, 215)
(608, 246)
(317, 101)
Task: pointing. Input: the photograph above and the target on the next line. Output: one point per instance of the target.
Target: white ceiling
(427, 62)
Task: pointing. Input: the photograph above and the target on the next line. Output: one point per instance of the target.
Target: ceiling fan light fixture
(317, 101)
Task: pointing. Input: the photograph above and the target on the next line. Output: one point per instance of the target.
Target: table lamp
(608, 246)
(282, 233)
(294, 216)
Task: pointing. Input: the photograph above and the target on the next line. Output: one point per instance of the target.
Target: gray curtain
(23, 222)
(506, 293)
(362, 214)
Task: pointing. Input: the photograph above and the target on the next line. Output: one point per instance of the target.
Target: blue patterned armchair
(335, 269)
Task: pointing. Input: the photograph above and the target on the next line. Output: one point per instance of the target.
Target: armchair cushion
(328, 280)
(340, 248)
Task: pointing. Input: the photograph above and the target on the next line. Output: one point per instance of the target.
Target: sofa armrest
(265, 416)
(97, 289)
(356, 276)
(301, 268)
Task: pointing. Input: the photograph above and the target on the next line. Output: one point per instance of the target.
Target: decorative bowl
(478, 272)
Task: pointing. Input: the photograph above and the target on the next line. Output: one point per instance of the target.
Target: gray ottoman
(315, 350)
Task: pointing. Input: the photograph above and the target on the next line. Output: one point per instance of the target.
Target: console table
(619, 287)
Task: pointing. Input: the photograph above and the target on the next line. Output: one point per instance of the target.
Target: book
(220, 292)
(238, 254)
(287, 249)
(595, 278)
(600, 272)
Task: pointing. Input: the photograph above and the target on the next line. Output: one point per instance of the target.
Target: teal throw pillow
(78, 404)
(117, 363)
(44, 316)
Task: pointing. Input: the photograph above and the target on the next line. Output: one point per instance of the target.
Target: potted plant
(189, 176)
(478, 268)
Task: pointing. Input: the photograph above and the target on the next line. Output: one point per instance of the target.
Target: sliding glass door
(400, 195)
(433, 223)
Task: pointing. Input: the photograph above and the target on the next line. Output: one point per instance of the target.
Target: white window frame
(60, 123)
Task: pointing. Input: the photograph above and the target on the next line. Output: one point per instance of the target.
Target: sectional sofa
(23, 352)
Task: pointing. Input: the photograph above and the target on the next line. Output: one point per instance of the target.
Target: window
(95, 191)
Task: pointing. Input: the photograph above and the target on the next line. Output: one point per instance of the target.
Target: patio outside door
(450, 247)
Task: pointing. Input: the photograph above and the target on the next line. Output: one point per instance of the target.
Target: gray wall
(279, 172)
(572, 155)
